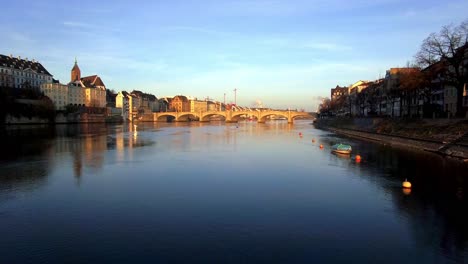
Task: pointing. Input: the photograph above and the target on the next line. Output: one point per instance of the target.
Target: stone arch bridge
(228, 116)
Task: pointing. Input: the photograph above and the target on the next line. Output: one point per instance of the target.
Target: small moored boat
(341, 148)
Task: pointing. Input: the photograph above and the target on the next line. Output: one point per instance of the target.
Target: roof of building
(143, 95)
(92, 81)
(339, 88)
(124, 93)
(402, 70)
(22, 64)
(180, 97)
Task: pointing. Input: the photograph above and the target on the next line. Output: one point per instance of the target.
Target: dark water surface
(221, 193)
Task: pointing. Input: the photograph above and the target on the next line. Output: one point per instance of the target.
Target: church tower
(75, 72)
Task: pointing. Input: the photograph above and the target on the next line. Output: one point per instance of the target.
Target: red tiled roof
(92, 81)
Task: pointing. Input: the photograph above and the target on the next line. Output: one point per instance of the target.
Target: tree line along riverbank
(448, 137)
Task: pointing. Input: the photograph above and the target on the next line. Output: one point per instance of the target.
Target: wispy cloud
(327, 46)
(259, 8)
(279, 8)
(296, 43)
(20, 37)
(121, 62)
(197, 30)
(76, 24)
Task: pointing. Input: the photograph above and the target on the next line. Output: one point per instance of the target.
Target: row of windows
(69, 96)
(20, 73)
(451, 92)
(17, 84)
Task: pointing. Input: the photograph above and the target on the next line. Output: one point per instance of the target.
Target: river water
(223, 193)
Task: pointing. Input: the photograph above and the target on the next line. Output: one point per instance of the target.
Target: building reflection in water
(88, 144)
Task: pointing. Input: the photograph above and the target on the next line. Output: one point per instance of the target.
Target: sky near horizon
(282, 53)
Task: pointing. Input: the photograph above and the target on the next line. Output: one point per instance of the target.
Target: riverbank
(447, 137)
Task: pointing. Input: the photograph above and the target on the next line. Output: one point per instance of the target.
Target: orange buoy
(358, 158)
(406, 191)
(321, 146)
(406, 184)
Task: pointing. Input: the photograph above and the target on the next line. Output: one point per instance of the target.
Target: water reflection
(175, 190)
(436, 207)
(17, 178)
(19, 142)
(85, 143)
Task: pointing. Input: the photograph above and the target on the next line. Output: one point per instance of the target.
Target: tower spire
(75, 72)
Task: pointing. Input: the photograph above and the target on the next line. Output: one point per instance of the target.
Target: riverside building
(22, 73)
(87, 91)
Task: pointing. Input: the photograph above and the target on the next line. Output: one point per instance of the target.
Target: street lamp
(235, 96)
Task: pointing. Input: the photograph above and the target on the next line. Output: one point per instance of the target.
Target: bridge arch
(205, 117)
(264, 117)
(237, 115)
(164, 117)
(300, 114)
(185, 117)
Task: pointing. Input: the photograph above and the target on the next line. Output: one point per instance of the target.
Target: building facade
(338, 92)
(91, 87)
(198, 105)
(179, 103)
(22, 73)
(88, 91)
(124, 101)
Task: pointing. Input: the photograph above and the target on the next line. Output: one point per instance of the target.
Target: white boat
(341, 148)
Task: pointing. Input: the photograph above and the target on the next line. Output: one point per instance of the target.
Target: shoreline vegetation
(446, 137)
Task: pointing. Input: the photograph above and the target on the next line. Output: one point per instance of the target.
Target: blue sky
(283, 53)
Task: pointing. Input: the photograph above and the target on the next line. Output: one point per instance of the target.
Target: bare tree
(449, 47)
(324, 107)
(410, 83)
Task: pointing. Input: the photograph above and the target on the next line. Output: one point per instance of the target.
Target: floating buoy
(300, 133)
(321, 146)
(358, 158)
(406, 191)
(313, 140)
(406, 184)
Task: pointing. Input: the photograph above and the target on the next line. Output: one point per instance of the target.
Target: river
(223, 193)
